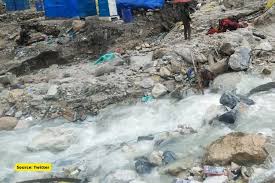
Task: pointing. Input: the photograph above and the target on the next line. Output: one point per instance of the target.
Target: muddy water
(97, 146)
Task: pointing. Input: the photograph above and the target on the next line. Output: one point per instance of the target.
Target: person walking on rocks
(186, 21)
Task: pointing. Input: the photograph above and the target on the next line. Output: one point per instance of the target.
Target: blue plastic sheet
(147, 4)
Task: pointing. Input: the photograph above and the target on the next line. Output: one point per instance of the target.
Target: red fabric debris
(226, 24)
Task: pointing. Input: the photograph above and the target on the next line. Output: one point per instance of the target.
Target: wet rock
(246, 100)
(53, 139)
(181, 93)
(227, 81)
(229, 99)
(165, 72)
(227, 49)
(169, 157)
(104, 69)
(11, 112)
(156, 158)
(240, 60)
(228, 117)
(7, 79)
(121, 176)
(24, 123)
(53, 93)
(141, 62)
(147, 138)
(143, 165)
(262, 88)
(213, 112)
(159, 90)
(8, 123)
(216, 179)
(241, 148)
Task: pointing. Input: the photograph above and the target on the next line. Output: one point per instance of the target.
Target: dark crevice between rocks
(43, 60)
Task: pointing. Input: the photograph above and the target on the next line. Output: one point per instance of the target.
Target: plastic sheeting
(147, 4)
(69, 8)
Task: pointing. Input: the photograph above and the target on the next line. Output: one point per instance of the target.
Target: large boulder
(227, 81)
(8, 123)
(104, 69)
(53, 139)
(240, 60)
(241, 148)
(219, 67)
(159, 90)
(143, 165)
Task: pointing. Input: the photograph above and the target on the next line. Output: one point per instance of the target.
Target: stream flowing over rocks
(111, 102)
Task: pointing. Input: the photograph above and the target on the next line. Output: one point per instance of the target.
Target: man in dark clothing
(186, 21)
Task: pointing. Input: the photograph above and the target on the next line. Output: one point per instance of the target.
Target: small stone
(66, 75)
(159, 90)
(156, 158)
(18, 114)
(227, 49)
(52, 93)
(147, 83)
(197, 171)
(169, 157)
(179, 78)
(266, 71)
(165, 72)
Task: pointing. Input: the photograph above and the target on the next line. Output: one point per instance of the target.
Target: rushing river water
(95, 147)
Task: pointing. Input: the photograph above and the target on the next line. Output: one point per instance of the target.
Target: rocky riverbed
(137, 115)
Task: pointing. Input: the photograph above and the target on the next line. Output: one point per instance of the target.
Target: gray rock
(179, 78)
(147, 83)
(8, 79)
(227, 49)
(18, 114)
(262, 88)
(53, 139)
(169, 157)
(213, 112)
(1, 87)
(246, 100)
(229, 99)
(11, 112)
(104, 69)
(240, 60)
(184, 52)
(53, 93)
(159, 90)
(229, 117)
(141, 62)
(143, 165)
(165, 72)
(233, 4)
(8, 123)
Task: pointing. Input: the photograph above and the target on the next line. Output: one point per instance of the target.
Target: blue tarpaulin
(134, 4)
(69, 8)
